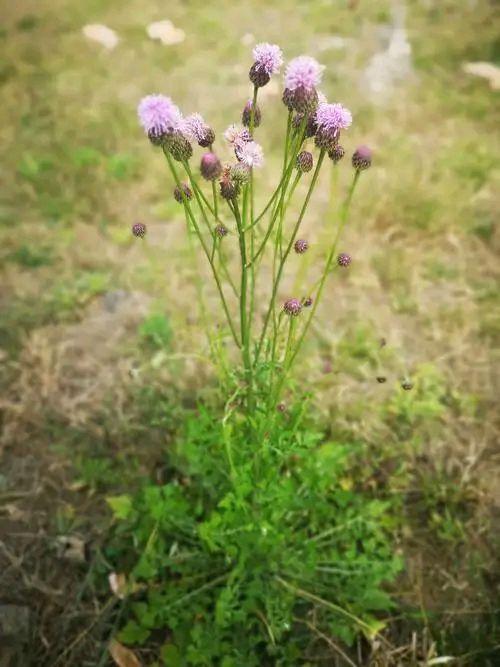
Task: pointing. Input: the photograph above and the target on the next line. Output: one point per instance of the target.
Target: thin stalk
(214, 193)
(198, 191)
(342, 222)
(287, 252)
(204, 246)
(245, 346)
(288, 173)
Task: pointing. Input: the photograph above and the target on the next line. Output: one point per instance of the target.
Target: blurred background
(101, 341)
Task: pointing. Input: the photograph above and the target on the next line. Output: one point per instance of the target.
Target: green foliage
(156, 330)
(245, 541)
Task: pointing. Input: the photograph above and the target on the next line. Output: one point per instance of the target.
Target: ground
(100, 336)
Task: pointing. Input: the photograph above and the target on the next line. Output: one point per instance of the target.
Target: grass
(77, 173)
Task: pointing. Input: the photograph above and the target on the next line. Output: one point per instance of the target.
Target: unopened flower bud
(281, 407)
(287, 98)
(305, 161)
(304, 100)
(300, 246)
(246, 116)
(229, 189)
(240, 173)
(362, 158)
(336, 153)
(292, 307)
(307, 303)
(206, 137)
(344, 259)
(179, 147)
(310, 125)
(407, 385)
(210, 166)
(326, 140)
(178, 193)
(221, 231)
(139, 229)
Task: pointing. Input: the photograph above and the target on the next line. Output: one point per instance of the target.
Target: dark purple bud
(139, 229)
(308, 302)
(246, 116)
(305, 161)
(344, 259)
(258, 76)
(221, 231)
(300, 246)
(229, 189)
(336, 153)
(310, 126)
(179, 147)
(362, 158)
(281, 407)
(210, 166)
(292, 307)
(381, 379)
(207, 137)
(240, 173)
(407, 385)
(178, 193)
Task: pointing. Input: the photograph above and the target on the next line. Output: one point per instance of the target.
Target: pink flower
(250, 154)
(235, 135)
(158, 114)
(268, 58)
(303, 72)
(192, 127)
(331, 118)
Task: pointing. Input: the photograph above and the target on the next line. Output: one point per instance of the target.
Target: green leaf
(121, 506)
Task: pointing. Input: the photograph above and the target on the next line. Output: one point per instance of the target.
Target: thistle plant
(268, 343)
(257, 542)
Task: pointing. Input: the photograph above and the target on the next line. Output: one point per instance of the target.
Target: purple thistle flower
(192, 126)
(300, 246)
(331, 117)
(303, 72)
(344, 259)
(250, 154)
(292, 307)
(210, 166)
(139, 229)
(362, 158)
(235, 135)
(178, 193)
(158, 115)
(268, 58)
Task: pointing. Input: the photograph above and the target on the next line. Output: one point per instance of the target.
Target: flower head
(300, 246)
(192, 126)
(210, 166)
(307, 303)
(139, 229)
(344, 259)
(303, 72)
(235, 135)
(268, 58)
(246, 116)
(304, 161)
(292, 307)
(250, 154)
(158, 115)
(221, 231)
(179, 197)
(336, 153)
(362, 158)
(331, 118)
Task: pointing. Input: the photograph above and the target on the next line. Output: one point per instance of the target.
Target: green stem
(287, 251)
(243, 303)
(214, 193)
(204, 246)
(342, 222)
